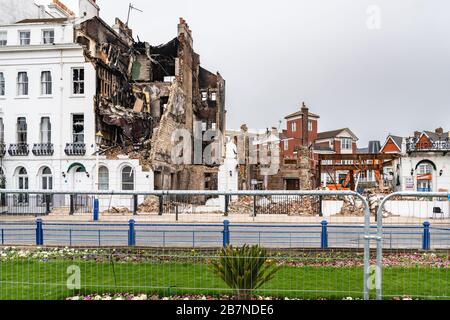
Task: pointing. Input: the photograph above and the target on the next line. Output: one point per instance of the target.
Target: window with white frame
(294, 126)
(78, 81)
(204, 96)
(2, 84)
(22, 84)
(24, 38)
(78, 128)
(22, 129)
(46, 130)
(127, 179)
(286, 145)
(46, 83)
(425, 169)
(3, 38)
(213, 96)
(346, 144)
(103, 179)
(310, 126)
(48, 36)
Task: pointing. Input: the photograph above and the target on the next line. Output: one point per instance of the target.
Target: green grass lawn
(32, 280)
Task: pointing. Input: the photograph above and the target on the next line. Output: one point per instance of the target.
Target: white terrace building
(424, 164)
(47, 120)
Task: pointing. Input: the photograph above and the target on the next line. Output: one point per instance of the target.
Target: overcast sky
(276, 54)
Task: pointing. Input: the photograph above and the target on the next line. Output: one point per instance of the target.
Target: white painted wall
(408, 163)
(59, 59)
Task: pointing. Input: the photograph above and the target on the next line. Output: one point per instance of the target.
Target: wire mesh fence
(425, 274)
(297, 207)
(326, 256)
(55, 274)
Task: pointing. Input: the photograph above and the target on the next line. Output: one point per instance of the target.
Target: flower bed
(145, 297)
(297, 259)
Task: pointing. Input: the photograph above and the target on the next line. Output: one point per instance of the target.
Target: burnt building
(146, 93)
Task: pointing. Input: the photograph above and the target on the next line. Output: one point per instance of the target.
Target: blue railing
(131, 234)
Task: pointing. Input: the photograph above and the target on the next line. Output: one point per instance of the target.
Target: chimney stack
(439, 131)
(305, 125)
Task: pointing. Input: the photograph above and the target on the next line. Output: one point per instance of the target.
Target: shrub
(244, 269)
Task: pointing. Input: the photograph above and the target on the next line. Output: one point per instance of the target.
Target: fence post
(227, 202)
(426, 236)
(39, 233)
(135, 204)
(47, 203)
(324, 236)
(161, 205)
(131, 233)
(226, 233)
(320, 206)
(96, 209)
(254, 206)
(72, 205)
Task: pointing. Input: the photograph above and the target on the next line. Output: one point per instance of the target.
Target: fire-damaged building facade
(145, 93)
(101, 110)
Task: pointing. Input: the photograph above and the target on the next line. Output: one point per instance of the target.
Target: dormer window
(25, 38)
(347, 144)
(48, 36)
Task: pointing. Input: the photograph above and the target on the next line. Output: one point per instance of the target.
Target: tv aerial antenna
(130, 8)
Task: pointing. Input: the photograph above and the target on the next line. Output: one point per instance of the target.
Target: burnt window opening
(78, 81)
(163, 61)
(78, 128)
(211, 181)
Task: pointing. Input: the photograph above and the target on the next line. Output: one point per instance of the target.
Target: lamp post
(98, 141)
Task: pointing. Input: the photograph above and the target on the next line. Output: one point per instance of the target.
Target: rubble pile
(374, 203)
(117, 210)
(150, 205)
(352, 207)
(306, 206)
(243, 205)
(302, 206)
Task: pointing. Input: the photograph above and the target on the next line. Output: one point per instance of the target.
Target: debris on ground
(117, 210)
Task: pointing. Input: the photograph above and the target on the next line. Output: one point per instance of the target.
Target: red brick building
(302, 127)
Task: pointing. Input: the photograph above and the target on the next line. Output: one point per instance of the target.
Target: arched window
(23, 184)
(103, 179)
(47, 179)
(127, 179)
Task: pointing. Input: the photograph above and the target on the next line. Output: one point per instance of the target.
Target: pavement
(272, 231)
(219, 218)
